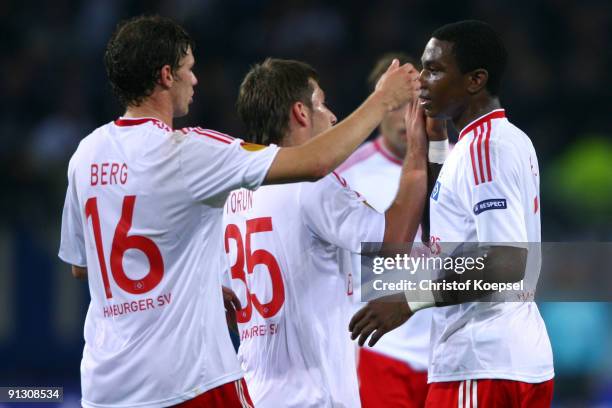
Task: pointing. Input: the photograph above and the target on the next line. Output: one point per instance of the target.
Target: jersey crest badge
(252, 147)
(436, 191)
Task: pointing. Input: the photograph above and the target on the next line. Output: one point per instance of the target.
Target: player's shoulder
(88, 145)
(359, 156)
(95, 136)
(506, 133)
(494, 132)
(137, 126)
(326, 186)
(491, 145)
(511, 147)
(201, 135)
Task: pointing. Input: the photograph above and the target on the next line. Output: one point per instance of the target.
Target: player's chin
(181, 112)
(431, 112)
(427, 106)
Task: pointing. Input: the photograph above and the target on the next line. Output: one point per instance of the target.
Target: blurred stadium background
(54, 92)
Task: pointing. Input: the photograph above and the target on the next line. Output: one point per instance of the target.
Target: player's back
(153, 249)
(284, 257)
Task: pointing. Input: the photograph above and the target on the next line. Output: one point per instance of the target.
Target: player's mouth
(425, 101)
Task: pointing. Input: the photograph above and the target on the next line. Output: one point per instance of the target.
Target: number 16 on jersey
(121, 243)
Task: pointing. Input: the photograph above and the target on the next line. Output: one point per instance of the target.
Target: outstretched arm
(378, 317)
(322, 154)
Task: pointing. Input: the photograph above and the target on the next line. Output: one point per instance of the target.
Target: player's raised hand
(378, 317)
(416, 133)
(398, 85)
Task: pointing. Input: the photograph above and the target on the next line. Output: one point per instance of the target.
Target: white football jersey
(283, 244)
(488, 191)
(375, 172)
(143, 213)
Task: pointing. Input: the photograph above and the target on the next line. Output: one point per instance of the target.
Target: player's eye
(431, 68)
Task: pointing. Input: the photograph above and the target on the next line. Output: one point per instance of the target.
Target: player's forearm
(322, 154)
(502, 264)
(403, 217)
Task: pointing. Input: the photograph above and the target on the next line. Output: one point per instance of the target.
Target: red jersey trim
(495, 114)
(214, 132)
(487, 155)
(480, 133)
(379, 145)
(220, 137)
(480, 152)
(122, 122)
(341, 180)
(344, 183)
(473, 161)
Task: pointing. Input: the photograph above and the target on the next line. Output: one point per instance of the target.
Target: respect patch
(491, 204)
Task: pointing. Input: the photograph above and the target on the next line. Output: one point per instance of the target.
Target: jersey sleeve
(213, 164)
(336, 214)
(496, 205)
(72, 243)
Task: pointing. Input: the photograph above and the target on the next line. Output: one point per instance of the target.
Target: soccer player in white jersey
(284, 244)
(142, 221)
(483, 354)
(393, 373)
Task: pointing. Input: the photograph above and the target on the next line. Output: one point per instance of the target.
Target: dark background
(54, 92)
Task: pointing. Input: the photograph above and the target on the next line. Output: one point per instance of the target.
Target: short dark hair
(476, 45)
(383, 62)
(137, 51)
(267, 94)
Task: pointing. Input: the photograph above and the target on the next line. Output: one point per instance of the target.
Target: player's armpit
(79, 272)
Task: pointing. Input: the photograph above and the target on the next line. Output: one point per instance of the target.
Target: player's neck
(150, 108)
(295, 137)
(476, 109)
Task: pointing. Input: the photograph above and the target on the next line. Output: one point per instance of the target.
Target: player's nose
(422, 78)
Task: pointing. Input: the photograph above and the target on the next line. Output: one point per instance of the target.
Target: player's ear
(300, 113)
(477, 80)
(166, 77)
